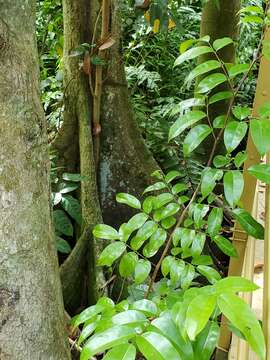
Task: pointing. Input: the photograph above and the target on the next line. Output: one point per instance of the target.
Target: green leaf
(111, 253)
(202, 260)
(252, 19)
(233, 186)
(129, 200)
(198, 314)
(155, 187)
(178, 188)
(187, 276)
(215, 221)
(255, 9)
(264, 111)
(221, 43)
(176, 270)
(221, 161)
(134, 317)
(243, 318)
(121, 352)
(62, 223)
(261, 172)
(241, 112)
(187, 236)
(211, 274)
(219, 122)
(202, 69)
(162, 200)
(222, 95)
(73, 177)
(260, 132)
(225, 246)
(88, 329)
(72, 207)
(234, 134)
(235, 284)
(65, 188)
(168, 222)
(155, 242)
(206, 341)
(238, 69)
(192, 54)
(166, 265)
(148, 307)
(142, 270)
(172, 175)
(240, 158)
(62, 245)
(186, 45)
(155, 346)
(249, 224)
(195, 136)
(134, 223)
(166, 326)
(127, 264)
(167, 211)
(148, 204)
(102, 231)
(184, 122)
(107, 339)
(143, 234)
(210, 82)
(86, 315)
(209, 179)
(198, 244)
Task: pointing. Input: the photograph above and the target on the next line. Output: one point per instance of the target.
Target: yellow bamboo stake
(266, 274)
(240, 237)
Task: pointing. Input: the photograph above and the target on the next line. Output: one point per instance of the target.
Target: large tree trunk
(31, 306)
(125, 163)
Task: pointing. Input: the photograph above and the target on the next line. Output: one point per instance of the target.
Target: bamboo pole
(239, 236)
(266, 279)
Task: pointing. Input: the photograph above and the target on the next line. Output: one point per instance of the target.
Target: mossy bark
(77, 135)
(125, 162)
(31, 306)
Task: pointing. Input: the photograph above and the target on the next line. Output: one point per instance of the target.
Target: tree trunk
(125, 163)
(31, 306)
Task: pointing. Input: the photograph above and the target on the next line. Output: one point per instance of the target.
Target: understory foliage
(176, 295)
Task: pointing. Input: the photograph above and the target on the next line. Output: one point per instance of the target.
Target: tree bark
(31, 306)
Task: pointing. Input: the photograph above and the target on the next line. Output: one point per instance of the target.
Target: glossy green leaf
(134, 317)
(111, 253)
(187, 276)
(155, 187)
(209, 179)
(214, 222)
(172, 175)
(251, 8)
(166, 265)
(243, 318)
(225, 246)
(221, 43)
(134, 223)
(198, 244)
(155, 346)
(219, 122)
(222, 95)
(142, 270)
(264, 110)
(168, 210)
(202, 69)
(252, 19)
(260, 132)
(86, 315)
(192, 54)
(162, 200)
(66, 187)
(156, 241)
(129, 200)
(195, 136)
(235, 284)
(240, 158)
(107, 339)
(184, 122)
(198, 314)
(102, 231)
(234, 134)
(88, 329)
(220, 161)
(168, 222)
(241, 112)
(210, 82)
(148, 307)
(144, 233)
(238, 69)
(72, 177)
(62, 245)
(148, 204)
(121, 352)
(261, 172)
(249, 224)
(62, 223)
(233, 186)
(72, 207)
(211, 274)
(178, 188)
(176, 270)
(206, 341)
(127, 264)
